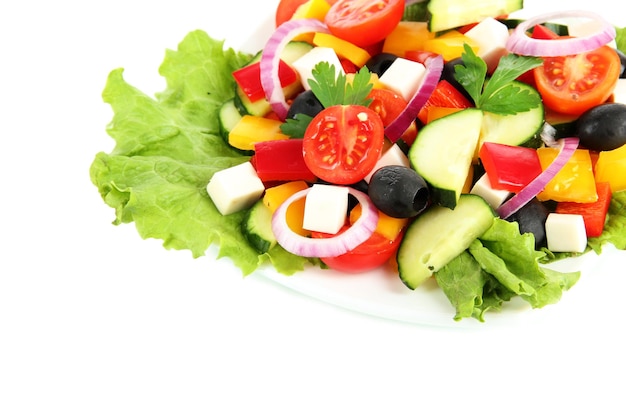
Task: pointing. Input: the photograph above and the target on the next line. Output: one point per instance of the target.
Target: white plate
(380, 293)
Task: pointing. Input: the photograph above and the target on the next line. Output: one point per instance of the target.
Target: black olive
(603, 128)
(531, 218)
(305, 103)
(379, 63)
(399, 191)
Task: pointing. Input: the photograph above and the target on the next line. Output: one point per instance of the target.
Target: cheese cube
(235, 188)
(566, 232)
(392, 156)
(490, 35)
(307, 62)
(325, 208)
(493, 197)
(403, 77)
(619, 93)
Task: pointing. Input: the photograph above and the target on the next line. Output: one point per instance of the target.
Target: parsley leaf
(295, 128)
(332, 88)
(497, 94)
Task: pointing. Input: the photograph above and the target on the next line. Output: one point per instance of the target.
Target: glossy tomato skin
(286, 9)
(573, 84)
(371, 254)
(343, 143)
(389, 105)
(364, 22)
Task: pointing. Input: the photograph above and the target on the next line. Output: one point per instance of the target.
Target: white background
(95, 321)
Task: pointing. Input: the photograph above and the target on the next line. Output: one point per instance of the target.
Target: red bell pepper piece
(281, 160)
(509, 167)
(444, 95)
(249, 79)
(594, 214)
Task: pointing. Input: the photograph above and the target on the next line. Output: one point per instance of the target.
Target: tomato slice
(371, 254)
(389, 105)
(364, 22)
(575, 83)
(342, 144)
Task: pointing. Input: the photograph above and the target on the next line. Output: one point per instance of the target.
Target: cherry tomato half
(575, 83)
(374, 252)
(364, 22)
(342, 144)
(389, 105)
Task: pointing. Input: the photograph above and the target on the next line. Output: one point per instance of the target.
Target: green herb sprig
(497, 94)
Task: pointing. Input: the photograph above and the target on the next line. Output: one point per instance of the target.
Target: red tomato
(343, 143)
(371, 254)
(575, 83)
(364, 22)
(389, 105)
(286, 9)
(445, 95)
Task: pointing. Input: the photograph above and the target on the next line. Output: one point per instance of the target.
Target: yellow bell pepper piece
(275, 196)
(312, 9)
(574, 182)
(449, 45)
(407, 36)
(251, 129)
(611, 168)
(344, 49)
(387, 226)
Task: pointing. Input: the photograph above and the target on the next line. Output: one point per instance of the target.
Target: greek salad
(441, 140)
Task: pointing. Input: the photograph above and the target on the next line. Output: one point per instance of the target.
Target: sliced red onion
(522, 44)
(270, 59)
(333, 246)
(568, 146)
(434, 68)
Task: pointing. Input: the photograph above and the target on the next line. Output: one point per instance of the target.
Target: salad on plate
(440, 143)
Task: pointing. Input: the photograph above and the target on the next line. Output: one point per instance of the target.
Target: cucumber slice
(443, 153)
(439, 235)
(228, 117)
(449, 14)
(257, 227)
(514, 129)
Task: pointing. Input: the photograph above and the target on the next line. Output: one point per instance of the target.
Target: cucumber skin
(443, 18)
(439, 235)
(257, 227)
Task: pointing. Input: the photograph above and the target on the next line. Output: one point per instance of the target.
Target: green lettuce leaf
(166, 150)
(615, 226)
(498, 266)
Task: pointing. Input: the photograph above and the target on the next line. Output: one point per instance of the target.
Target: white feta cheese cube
(490, 35)
(325, 208)
(392, 156)
(306, 63)
(493, 197)
(235, 188)
(403, 77)
(566, 232)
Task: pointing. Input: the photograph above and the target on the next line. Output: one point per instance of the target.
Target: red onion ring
(522, 44)
(270, 59)
(568, 146)
(333, 246)
(434, 68)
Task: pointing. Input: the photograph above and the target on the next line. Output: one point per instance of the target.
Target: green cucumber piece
(439, 235)
(228, 117)
(443, 152)
(450, 14)
(257, 227)
(514, 129)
